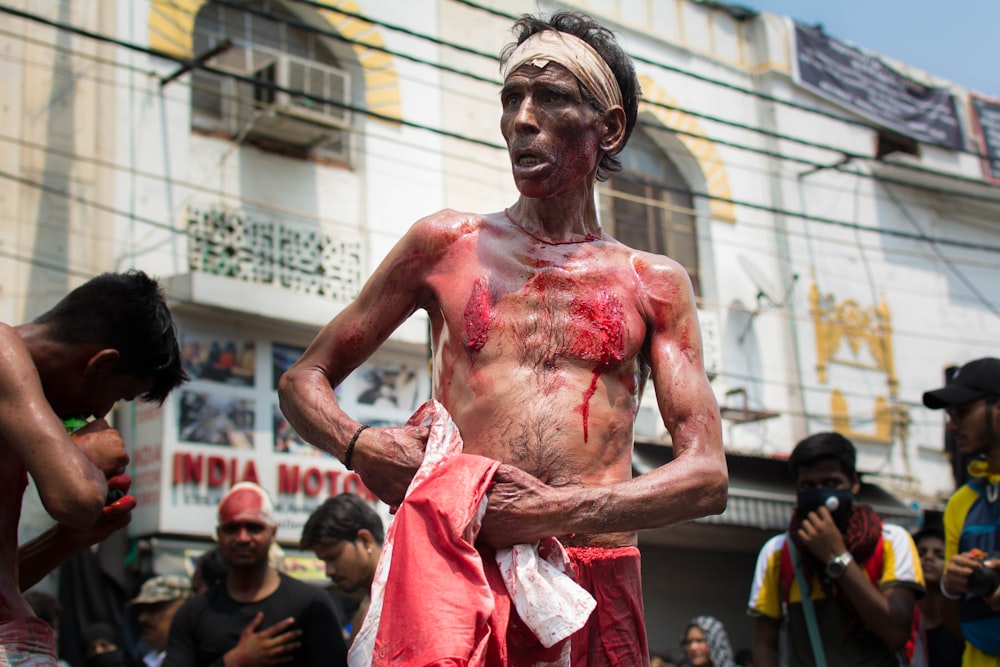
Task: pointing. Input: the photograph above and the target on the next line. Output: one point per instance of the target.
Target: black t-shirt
(209, 624)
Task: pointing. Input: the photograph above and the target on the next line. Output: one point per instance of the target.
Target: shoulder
(294, 586)
(771, 549)
(896, 534)
(663, 283)
(445, 227)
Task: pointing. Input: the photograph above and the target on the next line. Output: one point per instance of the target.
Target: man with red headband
(222, 625)
(545, 331)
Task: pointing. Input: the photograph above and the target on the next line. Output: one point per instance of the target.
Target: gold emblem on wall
(844, 331)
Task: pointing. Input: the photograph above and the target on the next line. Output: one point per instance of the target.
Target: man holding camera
(861, 575)
(972, 517)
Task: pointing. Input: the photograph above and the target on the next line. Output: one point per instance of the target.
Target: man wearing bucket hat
(972, 517)
(158, 600)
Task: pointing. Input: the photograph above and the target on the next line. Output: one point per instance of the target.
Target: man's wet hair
(127, 312)
(340, 518)
(603, 41)
(821, 446)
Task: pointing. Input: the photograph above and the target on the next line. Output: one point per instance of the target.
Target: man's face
(826, 474)
(553, 135)
(349, 564)
(245, 543)
(154, 622)
(95, 396)
(930, 549)
(968, 424)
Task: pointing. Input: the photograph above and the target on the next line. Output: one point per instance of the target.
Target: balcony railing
(292, 255)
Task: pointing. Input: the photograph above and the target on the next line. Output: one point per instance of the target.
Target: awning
(761, 493)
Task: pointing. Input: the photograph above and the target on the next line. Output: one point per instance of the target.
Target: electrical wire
(770, 133)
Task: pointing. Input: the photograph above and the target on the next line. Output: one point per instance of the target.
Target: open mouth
(528, 161)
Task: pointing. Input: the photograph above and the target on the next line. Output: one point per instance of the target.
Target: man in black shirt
(222, 626)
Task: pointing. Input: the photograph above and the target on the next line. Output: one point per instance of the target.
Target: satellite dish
(765, 288)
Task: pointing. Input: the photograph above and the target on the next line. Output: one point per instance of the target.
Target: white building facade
(262, 157)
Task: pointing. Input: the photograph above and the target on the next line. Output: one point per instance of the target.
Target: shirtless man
(110, 339)
(544, 329)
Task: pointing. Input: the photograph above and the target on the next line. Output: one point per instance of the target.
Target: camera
(985, 580)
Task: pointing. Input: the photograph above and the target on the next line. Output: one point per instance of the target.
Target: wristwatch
(838, 565)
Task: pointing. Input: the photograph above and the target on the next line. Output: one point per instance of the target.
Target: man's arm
(692, 485)
(41, 555)
(765, 642)
(71, 486)
(385, 458)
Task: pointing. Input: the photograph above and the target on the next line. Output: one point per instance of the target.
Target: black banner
(986, 120)
(866, 85)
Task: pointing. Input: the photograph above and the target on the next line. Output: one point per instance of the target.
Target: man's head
(970, 399)
(246, 528)
(124, 344)
(158, 600)
(930, 549)
(578, 60)
(346, 534)
(824, 467)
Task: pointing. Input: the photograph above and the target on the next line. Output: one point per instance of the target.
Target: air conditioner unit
(260, 111)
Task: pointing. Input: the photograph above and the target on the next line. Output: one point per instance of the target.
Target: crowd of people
(514, 540)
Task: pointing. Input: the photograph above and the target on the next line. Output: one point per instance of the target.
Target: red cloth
(445, 603)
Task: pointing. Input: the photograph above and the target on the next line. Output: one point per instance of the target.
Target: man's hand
(822, 536)
(956, 574)
(387, 458)
(104, 446)
(517, 509)
(273, 646)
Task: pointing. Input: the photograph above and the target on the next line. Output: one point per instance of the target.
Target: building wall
(102, 172)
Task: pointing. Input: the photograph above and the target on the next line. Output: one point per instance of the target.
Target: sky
(955, 40)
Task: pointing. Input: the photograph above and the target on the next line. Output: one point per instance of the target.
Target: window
(649, 206)
(306, 121)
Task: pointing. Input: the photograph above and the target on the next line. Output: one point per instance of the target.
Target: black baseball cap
(976, 379)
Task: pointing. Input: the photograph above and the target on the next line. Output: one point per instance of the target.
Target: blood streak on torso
(478, 314)
(600, 337)
(593, 321)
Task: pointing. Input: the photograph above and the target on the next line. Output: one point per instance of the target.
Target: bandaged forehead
(246, 502)
(580, 58)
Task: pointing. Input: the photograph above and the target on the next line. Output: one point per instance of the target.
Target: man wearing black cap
(972, 517)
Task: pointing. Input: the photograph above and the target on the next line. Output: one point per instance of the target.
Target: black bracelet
(350, 446)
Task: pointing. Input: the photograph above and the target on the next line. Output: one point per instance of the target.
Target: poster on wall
(224, 428)
(861, 82)
(986, 121)
(215, 419)
(218, 358)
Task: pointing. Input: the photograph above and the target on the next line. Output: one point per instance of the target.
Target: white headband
(574, 54)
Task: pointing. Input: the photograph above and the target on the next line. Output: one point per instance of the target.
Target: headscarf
(574, 54)
(719, 649)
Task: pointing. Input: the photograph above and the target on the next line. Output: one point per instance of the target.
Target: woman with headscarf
(706, 643)
(102, 647)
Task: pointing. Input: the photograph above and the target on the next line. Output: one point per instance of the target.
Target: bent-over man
(110, 339)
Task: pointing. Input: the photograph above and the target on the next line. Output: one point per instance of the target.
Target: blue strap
(807, 606)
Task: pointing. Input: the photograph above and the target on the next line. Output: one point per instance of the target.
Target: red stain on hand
(478, 315)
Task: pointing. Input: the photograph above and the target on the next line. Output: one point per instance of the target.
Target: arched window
(649, 206)
(302, 118)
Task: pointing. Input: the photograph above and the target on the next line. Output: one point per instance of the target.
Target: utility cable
(340, 104)
(770, 133)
